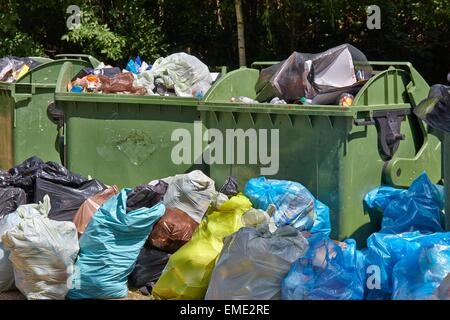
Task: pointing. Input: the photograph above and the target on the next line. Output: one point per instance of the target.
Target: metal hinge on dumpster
(388, 123)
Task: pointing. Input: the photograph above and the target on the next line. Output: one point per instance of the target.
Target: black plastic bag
(24, 175)
(65, 200)
(230, 188)
(320, 77)
(10, 199)
(146, 195)
(149, 266)
(57, 173)
(6, 179)
(56, 115)
(435, 110)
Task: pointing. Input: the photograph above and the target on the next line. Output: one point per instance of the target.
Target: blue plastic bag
(329, 271)
(322, 222)
(431, 265)
(109, 248)
(384, 251)
(416, 209)
(132, 66)
(138, 61)
(294, 203)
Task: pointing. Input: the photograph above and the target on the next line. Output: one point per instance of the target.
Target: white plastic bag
(145, 79)
(182, 72)
(191, 193)
(7, 222)
(42, 250)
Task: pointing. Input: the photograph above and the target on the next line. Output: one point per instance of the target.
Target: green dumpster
(126, 139)
(25, 127)
(338, 153)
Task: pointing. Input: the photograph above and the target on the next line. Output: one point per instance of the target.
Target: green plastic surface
(25, 128)
(127, 140)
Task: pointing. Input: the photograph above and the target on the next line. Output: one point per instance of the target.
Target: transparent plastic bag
(329, 271)
(294, 203)
(191, 193)
(183, 73)
(254, 262)
(418, 208)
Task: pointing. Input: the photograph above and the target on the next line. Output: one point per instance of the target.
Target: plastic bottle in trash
(346, 99)
(305, 101)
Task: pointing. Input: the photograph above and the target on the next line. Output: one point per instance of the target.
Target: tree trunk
(240, 32)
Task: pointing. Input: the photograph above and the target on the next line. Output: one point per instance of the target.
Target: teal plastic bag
(109, 248)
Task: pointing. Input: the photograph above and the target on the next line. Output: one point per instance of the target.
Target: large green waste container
(25, 127)
(338, 153)
(127, 139)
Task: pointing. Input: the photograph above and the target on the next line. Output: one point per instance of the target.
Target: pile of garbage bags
(65, 236)
(188, 271)
(178, 74)
(14, 68)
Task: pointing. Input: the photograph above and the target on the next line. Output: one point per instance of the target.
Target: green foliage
(100, 35)
(95, 37)
(143, 36)
(15, 42)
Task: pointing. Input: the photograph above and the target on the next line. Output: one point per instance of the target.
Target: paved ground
(16, 295)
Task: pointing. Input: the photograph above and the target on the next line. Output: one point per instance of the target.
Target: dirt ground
(16, 295)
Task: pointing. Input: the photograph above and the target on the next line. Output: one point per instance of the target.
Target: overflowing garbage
(14, 68)
(178, 74)
(331, 77)
(65, 236)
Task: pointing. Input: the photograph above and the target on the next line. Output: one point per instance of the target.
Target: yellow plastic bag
(21, 72)
(189, 270)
